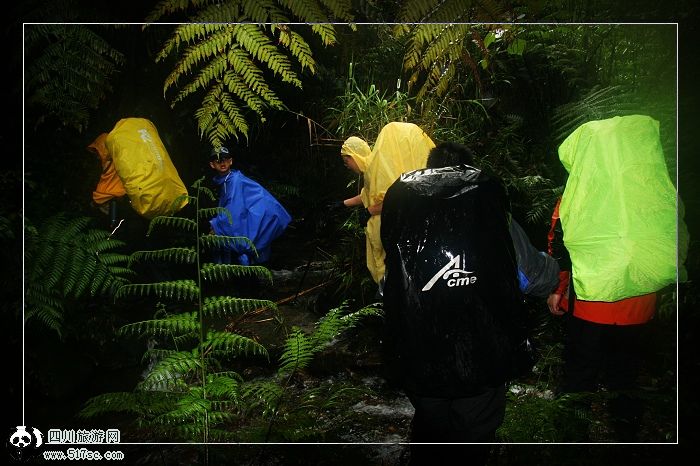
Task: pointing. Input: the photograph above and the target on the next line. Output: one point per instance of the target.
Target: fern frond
(213, 242)
(172, 222)
(235, 85)
(298, 352)
(44, 306)
(169, 7)
(172, 369)
(299, 48)
(209, 50)
(177, 289)
(251, 38)
(139, 403)
(179, 324)
(223, 59)
(176, 255)
(227, 305)
(417, 11)
(339, 9)
(68, 71)
(66, 260)
(228, 271)
(156, 353)
(263, 11)
(224, 388)
(450, 11)
(597, 104)
(215, 211)
(233, 343)
(338, 320)
(252, 75)
(265, 394)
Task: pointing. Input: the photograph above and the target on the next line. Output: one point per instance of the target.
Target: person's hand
(335, 205)
(553, 304)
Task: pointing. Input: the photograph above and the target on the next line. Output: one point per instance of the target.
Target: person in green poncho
(614, 235)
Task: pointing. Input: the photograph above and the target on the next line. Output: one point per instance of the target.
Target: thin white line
(23, 238)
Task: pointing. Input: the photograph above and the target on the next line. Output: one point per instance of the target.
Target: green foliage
(175, 255)
(176, 223)
(178, 289)
(229, 305)
(187, 393)
(226, 62)
(199, 400)
(597, 104)
(66, 260)
(364, 113)
(227, 271)
(179, 324)
(213, 242)
(68, 71)
(273, 398)
(534, 415)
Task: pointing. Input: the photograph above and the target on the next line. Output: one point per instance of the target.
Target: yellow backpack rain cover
(399, 148)
(619, 210)
(144, 166)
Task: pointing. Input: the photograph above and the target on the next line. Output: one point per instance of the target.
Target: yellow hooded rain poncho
(400, 147)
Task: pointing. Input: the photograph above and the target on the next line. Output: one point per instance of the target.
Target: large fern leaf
(233, 344)
(171, 371)
(177, 289)
(66, 260)
(297, 354)
(214, 272)
(263, 394)
(213, 242)
(176, 255)
(228, 305)
(223, 51)
(69, 67)
(178, 324)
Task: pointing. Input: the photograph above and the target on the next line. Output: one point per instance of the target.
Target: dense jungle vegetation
(135, 329)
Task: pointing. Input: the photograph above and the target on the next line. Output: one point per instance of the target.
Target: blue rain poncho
(255, 214)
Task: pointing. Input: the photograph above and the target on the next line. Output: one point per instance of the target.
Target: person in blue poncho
(255, 213)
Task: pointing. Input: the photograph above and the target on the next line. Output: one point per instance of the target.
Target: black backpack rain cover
(453, 309)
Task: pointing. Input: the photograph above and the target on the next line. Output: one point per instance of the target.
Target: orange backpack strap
(550, 235)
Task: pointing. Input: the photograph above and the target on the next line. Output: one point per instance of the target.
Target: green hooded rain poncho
(619, 210)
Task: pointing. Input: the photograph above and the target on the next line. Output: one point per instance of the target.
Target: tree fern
(262, 394)
(221, 272)
(230, 306)
(299, 350)
(213, 242)
(233, 344)
(68, 71)
(227, 46)
(193, 393)
(176, 255)
(181, 223)
(177, 289)
(597, 104)
(178, 324)
(190, 355)
(175, 369)
(65, 259)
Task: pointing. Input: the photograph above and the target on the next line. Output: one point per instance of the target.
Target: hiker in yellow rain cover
(399, 148)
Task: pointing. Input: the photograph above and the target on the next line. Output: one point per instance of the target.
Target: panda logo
(21, 439)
